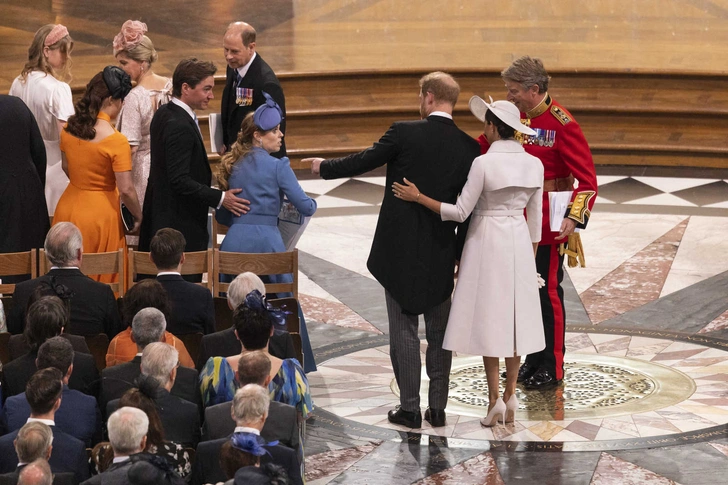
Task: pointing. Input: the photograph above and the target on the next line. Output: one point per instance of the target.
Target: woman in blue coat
(265, 181)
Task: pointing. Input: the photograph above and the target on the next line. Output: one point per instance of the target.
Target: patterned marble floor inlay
(617, 388)
(594, 386)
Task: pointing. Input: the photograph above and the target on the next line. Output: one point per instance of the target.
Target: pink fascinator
(57, 33)
(130, 36)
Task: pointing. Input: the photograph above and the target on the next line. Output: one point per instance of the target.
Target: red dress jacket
(562, 148)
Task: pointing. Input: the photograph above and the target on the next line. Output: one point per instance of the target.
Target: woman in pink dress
(136, 54)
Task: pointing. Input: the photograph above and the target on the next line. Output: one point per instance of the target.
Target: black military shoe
(410, 419)
(436, 417)
(524, 372)
(542, 379)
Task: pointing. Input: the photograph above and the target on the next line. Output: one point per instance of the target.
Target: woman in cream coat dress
(496, 311)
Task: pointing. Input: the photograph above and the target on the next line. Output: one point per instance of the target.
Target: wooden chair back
(196, 262)
(217, 230)
(97, 264)
(223, 314)
(98, 345)
(259, 263)
(298, 346)
(4, 348)
(13, 264)
(192, 343)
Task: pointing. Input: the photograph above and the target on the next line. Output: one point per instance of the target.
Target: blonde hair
(240, 148)
(38, 62)
(142, 52)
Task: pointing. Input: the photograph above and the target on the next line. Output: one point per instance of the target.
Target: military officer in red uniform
(560, 145)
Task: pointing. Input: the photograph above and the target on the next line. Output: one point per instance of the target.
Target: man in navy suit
(179, 193)
(78, 415)
(68, 454)
(128, 436)
(249, 410)
(192, 307)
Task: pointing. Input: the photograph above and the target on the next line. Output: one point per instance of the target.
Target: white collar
(48, 422)
(65, 267)
(440, 113)
(243, 429)
(243, 70)
(185, 107)
(120, 459)
(163, 273)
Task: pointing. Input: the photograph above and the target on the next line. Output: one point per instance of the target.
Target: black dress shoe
(524, 372)
(542, 379)
(410, 419)
(436, 417)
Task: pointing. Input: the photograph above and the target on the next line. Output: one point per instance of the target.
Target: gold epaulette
(560, 115)
(579, 209)
(574, 251)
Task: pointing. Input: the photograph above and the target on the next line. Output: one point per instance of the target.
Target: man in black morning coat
(248, 76)
(179, 193)
(413, 252)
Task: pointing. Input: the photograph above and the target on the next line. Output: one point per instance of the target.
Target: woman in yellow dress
(97, 160)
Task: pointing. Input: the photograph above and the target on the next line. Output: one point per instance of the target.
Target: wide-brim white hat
(502, 109)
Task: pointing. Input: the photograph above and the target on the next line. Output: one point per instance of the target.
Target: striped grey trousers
(404, 351)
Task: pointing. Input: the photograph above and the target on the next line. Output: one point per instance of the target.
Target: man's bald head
(244, 30)
(36, 473)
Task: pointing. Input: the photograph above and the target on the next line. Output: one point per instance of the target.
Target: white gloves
(541, 282)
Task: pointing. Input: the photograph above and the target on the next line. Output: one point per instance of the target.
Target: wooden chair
(259, 263)
(13, 264)
(298, 346)
(196, 262)
(223, 314)
(4, 350)
(97, 264)
(192, 343)
(98, 345)
(217, 229)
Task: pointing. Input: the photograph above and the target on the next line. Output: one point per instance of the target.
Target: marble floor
(646, 392)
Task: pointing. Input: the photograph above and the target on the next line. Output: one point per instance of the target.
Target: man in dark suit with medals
(248, 75)
(179, 193)
(413, 252)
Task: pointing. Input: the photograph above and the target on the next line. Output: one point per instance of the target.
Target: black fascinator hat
(117, 81)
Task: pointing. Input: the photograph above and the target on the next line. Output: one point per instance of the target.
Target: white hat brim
(478, 107)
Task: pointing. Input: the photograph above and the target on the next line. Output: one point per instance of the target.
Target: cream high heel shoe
(511, 407)
(498, 409)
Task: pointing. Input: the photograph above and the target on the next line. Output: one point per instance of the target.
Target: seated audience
(250, 411)
(142, 397)
(93, 305)
(180, 418)
(18, 345)
(147, 327)
(78, 415)
(282, 422)
(68, 454)
(225, 344)
(253, 327)
(47, 318)
(145, 294)
(192, 307)
(33, 446)
(128, 436)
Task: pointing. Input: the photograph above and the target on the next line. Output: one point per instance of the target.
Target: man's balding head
(36, 473)
(439, 91)
(238, 44)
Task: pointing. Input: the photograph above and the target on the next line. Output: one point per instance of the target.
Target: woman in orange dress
(97, 160)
